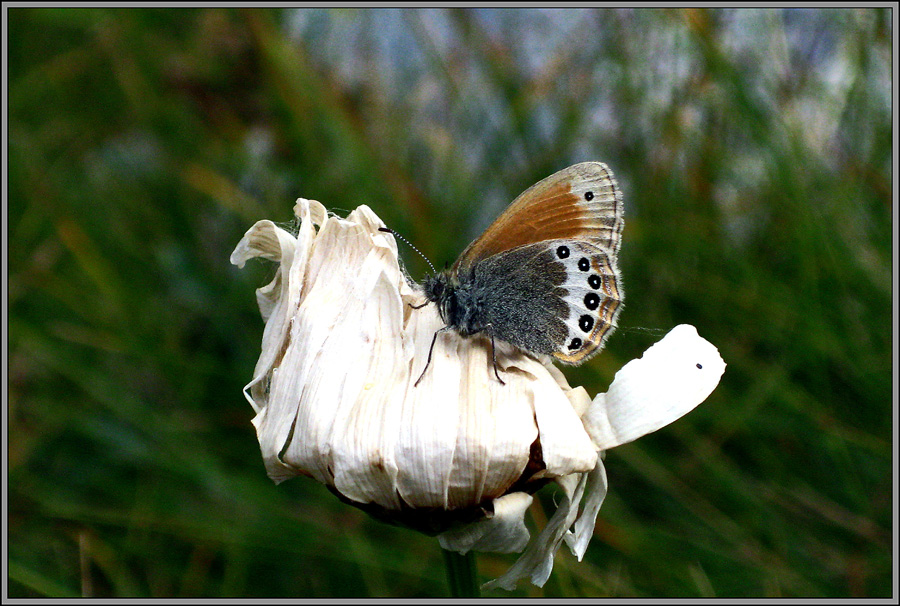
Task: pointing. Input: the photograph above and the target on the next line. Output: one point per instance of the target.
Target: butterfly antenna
(408, 243)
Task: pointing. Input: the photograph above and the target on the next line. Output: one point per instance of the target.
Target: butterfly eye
(434, 288)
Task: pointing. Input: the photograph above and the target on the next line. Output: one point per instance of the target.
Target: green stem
(461, 574)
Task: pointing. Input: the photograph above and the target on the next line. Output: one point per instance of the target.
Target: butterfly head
(441, 290)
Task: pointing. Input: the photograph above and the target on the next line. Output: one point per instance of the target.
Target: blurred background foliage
(754, 148)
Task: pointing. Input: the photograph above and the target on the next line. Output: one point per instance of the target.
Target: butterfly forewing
(580, 203)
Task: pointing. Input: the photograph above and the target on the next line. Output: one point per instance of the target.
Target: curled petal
(668, 381)
(504, 531)
(537, 559)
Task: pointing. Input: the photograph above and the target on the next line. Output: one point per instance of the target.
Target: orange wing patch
(581, 202)
(557, 217)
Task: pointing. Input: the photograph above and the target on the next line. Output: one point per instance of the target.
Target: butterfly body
(543, 277)
(524, 310)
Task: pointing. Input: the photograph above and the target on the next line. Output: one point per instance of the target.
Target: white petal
(329, 358)
(277, 298)
(595, 493)
(264, 240)
(537, 560)
(565, 445)
(367, 416)
(428, 426)
(668, 381)
(503, 532)
(464, 437)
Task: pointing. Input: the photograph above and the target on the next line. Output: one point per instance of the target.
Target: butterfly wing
(593, 298)
(567, 227)
(581, 202)
(559, 297)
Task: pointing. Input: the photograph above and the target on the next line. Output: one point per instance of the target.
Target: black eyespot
(584, 264)
(699, 365)
(562, 252)
(585, 323)
(588, 195)
(594, 281)
(575, 344)
(591, 300)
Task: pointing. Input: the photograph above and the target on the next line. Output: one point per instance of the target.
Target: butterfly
(544, 276)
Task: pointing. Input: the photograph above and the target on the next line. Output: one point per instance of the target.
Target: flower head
(460, 454)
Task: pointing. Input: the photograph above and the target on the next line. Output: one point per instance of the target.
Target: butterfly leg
(494, 358)
(430, 349)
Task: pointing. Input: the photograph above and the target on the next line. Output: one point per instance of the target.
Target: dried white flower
(460, 455)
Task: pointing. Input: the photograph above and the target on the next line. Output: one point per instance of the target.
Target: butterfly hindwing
(593, 298)
(558, 298)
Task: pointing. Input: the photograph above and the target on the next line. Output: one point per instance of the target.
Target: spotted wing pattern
(593, 297)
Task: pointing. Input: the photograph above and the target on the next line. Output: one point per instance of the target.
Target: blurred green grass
(754, 149)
